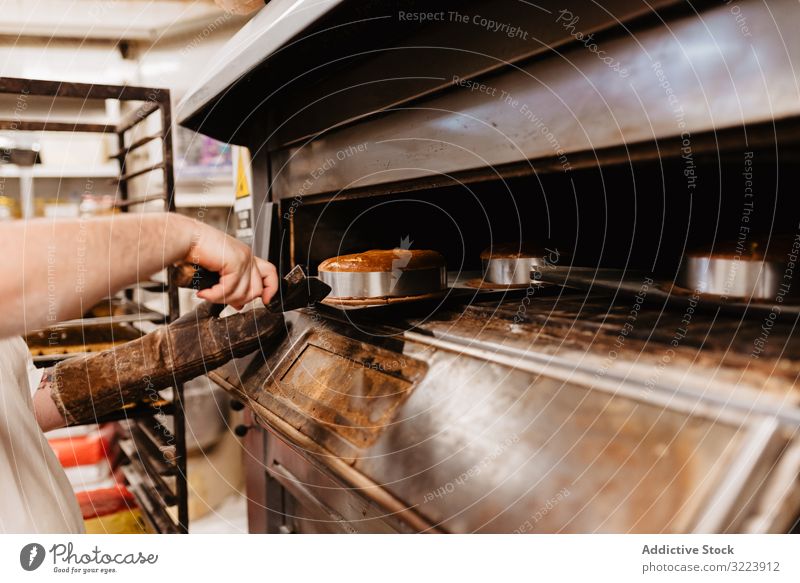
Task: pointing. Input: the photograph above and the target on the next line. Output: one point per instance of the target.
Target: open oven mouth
(605, 227)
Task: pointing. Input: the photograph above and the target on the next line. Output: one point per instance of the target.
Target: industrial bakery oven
(613, 392)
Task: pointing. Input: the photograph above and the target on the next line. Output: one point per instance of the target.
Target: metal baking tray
(115, 311)
(58, 343)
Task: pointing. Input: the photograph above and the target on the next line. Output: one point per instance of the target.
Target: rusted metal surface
(320, 503)
(140, 171)
(256, 476)
(91, 338)
(372, 383)
(55, 126)
(129, 202)
(125, 150)
(360, 484)
(694, 340)
(494, 438)
(79, 90)
(164, 100)
(138, 115)
(681, 294)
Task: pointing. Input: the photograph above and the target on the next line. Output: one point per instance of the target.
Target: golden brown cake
(514, 250)
(747, 251)
(384, 260)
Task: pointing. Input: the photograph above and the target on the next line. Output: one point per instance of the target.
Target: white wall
(173, 61)
(176, 63)
(65, 60)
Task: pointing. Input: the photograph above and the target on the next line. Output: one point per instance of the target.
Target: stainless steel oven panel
(484, 443)
(379, 60)
(481, 447)
(685, 77)
(422, 62)
(315, 502)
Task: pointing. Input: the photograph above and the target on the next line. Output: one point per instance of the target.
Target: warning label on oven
(243, 205)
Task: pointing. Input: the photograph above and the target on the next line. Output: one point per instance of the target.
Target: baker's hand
(242, 275)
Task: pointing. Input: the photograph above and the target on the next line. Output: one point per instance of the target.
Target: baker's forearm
(47, 413)
(58, 269)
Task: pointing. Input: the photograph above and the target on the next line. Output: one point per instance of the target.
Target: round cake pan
(382, 284)
(510, 270)
(728, 277)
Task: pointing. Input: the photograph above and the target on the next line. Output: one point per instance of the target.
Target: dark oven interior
(641, 216)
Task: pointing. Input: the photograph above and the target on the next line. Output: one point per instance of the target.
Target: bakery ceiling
(271, 29)
(134, 20)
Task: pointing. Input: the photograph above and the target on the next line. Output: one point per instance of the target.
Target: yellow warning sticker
(242, 184)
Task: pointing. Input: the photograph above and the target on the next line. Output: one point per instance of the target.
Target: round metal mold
(385, 284)
(747, 278)
(511, 270)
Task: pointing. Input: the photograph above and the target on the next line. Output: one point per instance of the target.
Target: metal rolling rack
(156, 457)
